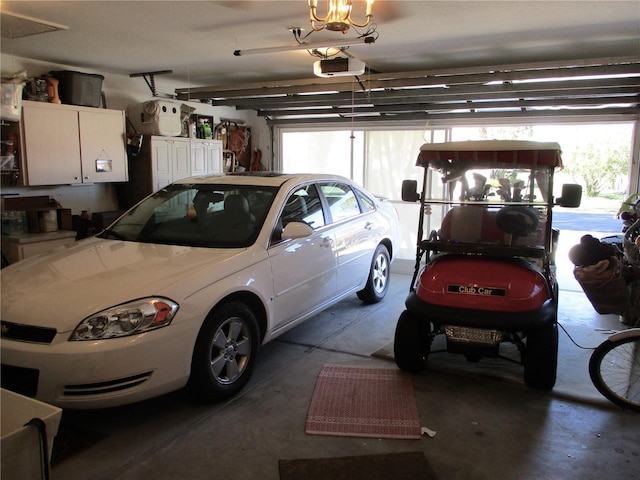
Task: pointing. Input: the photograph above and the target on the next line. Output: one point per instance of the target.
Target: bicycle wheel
(614, 369)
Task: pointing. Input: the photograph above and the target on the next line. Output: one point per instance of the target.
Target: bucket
(48, 221)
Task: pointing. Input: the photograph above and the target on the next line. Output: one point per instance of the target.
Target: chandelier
(338, 18)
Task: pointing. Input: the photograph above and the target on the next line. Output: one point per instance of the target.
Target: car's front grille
(106, 387)
(27, 333)
(20, 380)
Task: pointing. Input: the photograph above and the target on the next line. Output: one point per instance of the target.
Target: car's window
(498, 206)
(304, 205)
(367, 204)
(197, 215)
(342, 201)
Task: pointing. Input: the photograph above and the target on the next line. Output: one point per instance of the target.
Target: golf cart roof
(489, 154)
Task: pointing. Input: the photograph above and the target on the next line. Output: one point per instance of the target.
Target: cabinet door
(51, 145)
(198, 157)
(181, 167)
(161, 159)
(214, 156)
(102, 146)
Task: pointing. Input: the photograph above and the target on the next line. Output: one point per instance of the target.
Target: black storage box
(76, 88)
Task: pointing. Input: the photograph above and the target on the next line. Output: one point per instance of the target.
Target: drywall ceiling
(196, 39)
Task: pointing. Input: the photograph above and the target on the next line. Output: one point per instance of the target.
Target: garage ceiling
(431, 59)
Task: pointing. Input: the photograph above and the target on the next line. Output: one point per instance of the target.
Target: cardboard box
(20, 446)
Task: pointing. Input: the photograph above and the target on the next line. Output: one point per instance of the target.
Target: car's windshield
(499, 206)
(200, 215)
(495, 185)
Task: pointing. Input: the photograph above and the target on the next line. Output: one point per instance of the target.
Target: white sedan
(184, 287)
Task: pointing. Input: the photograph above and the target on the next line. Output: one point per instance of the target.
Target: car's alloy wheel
(225, 352)
(379, 276)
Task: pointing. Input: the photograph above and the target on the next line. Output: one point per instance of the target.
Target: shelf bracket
(149, 78)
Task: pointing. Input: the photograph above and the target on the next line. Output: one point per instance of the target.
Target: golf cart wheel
(411, 343)
(541, 357)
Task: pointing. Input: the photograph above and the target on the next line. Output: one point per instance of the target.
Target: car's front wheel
(225, 352)
(379, 276)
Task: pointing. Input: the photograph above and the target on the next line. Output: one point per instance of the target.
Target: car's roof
(273, 179)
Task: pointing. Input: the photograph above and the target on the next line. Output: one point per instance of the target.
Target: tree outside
(597, 156)
(599, 164)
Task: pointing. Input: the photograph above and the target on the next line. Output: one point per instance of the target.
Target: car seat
(236, 223)
(470, 224)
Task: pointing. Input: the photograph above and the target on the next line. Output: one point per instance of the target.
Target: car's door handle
(368, 226)
(327, 242)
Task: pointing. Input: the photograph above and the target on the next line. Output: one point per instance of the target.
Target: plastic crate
(76, 88)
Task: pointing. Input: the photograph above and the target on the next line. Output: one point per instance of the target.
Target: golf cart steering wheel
(517, 220)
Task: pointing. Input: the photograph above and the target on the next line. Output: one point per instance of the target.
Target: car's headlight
(127, 319)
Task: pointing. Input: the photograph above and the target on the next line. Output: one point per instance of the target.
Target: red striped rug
(363, 402)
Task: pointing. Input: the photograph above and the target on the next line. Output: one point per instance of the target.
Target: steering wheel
(517, 220)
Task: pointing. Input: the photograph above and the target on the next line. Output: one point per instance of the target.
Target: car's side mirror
(296, 230)
(410, 191)
(571, 195)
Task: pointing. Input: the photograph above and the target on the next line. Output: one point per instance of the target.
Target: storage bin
(11, 101)
(76, 88)
(21, 455)
(156, 117)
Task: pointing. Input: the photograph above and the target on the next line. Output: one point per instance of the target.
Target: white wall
(121, 90)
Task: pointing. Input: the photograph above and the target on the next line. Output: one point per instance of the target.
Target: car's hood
(60, 289)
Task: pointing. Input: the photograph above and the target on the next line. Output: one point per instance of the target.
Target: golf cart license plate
(477, 290)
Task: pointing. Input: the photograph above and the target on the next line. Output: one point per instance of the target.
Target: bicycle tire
(614, 368)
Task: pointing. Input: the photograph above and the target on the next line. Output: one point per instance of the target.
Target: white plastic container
(11, 101)
(156, 117)
(21, 457)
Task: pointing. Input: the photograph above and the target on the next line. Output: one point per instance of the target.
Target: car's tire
(412, 343)
(225, 352)
(541, 357)
(379, 277)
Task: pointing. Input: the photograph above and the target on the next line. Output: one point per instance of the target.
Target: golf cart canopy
(450, 156)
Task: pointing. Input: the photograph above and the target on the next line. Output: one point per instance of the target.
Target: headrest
(236, 204)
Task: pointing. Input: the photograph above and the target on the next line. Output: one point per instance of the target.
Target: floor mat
(363, 402)
(391, 466)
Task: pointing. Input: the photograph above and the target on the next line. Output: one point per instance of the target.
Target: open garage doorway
(598, 156)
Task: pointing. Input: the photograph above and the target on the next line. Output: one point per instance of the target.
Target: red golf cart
(488, 275)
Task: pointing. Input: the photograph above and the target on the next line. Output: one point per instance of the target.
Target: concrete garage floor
(488, 424)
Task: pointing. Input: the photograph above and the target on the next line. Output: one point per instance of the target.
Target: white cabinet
(66, 144)
(170, 160)
(206, 157)
(163, 160)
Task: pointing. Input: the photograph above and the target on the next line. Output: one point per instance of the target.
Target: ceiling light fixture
(307, 46)
(338, 18)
